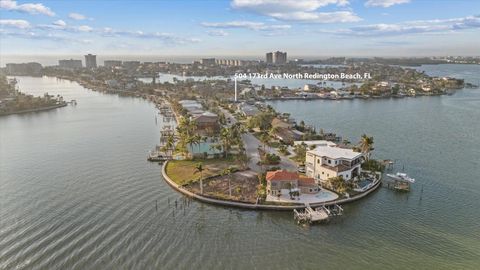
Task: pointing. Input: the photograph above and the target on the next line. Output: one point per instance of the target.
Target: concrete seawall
(201, 198)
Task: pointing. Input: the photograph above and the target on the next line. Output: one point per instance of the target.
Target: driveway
(252, 144)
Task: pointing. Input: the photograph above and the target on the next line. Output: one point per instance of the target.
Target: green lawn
(182, 172)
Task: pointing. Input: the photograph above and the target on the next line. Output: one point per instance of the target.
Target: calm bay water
(77, 193)
(268, 83)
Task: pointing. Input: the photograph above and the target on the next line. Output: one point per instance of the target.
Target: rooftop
(281, 175)
(335, 152)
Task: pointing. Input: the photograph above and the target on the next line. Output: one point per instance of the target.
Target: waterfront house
(325, 162)
(289, 181)
(207, 122)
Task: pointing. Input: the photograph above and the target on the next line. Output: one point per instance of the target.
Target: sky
(248, 28)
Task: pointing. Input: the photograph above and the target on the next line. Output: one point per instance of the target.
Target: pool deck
(322, 196)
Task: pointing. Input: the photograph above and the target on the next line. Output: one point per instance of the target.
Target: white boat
(402, 177)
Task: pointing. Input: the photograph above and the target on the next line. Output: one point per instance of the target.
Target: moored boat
(401, 177)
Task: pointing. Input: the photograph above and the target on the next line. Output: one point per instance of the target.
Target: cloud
(274, 6)
(385, 3)
(256, 26)
(298, 10)
(217, 33)
(22, 24)
(319, 17)
(63, 26)
(166, 38)
(84, 28)
(77, 16)
(411, 27)
(44, 36)
(60, 23)
(31, 8)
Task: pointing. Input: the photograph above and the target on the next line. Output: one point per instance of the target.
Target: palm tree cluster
(229, 137)
(169, 145)
(187, 135)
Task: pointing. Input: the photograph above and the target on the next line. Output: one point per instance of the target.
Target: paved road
(251, 147)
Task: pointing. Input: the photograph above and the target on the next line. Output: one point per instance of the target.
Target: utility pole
(235, 90)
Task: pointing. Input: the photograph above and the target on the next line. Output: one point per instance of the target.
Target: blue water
(77, 193)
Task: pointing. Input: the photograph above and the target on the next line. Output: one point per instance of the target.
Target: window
(329, 161)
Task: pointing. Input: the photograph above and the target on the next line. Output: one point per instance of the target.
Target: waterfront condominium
(325, 162)
(90, 61)
(277, 58)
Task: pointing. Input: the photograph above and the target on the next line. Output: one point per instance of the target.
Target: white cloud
(22, 24)
(257, 26)
(275, 6)
(411, 27)
(77, 16)
(31, 8)
(44, 36)
(166, 38)
(84, 28)
(298, 10)
(60, 23)
(385, 3)
(318, 17)
(217, 33)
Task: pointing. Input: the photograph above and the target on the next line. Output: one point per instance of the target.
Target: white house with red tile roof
(284, 180)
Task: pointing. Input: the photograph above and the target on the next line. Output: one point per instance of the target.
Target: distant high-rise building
(70, 64)
(131, 65)
(208, 61)
(112, 63)
(31, 68)
(279, 58)
(229, 62)
(90, 61)
(269, 58)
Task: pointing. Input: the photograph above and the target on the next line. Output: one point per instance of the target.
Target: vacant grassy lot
(183, 172)
(243, 186)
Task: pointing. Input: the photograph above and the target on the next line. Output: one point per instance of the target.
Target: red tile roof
(306, 181)
(281, 175)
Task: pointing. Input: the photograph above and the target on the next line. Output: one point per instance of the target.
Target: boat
(401, 177)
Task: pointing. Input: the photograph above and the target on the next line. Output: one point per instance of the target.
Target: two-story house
(325, 162)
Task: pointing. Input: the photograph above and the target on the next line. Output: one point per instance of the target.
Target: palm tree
(190, 140)
(199, 169)
(197, 139)
(264, 138)
(226, 137)
(169, 144)
(228, 171)
(366, 145)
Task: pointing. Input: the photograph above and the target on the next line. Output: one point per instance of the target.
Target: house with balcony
(325, 162)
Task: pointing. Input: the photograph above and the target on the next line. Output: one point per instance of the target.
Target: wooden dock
(319, 214)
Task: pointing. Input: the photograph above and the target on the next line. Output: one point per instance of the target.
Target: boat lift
(319, 214)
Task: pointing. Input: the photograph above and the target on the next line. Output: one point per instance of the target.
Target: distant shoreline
(35, 110)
